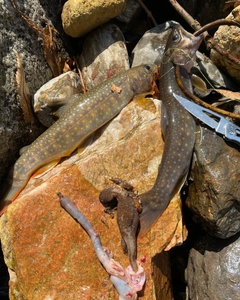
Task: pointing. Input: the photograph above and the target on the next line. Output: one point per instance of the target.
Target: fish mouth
(197, 40)
(186, 51)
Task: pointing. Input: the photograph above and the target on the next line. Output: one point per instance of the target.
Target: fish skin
(88, 113)
(179, 132)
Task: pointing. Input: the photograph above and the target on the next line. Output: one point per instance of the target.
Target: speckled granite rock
(16, 35)
(80, 17)
(37, 234)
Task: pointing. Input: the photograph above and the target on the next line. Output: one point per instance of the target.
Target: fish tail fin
(148, 218)
(9, 196)
(9, 193)
(4, 207)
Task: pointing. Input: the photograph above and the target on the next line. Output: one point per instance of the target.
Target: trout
(88, 113)
(178, 128)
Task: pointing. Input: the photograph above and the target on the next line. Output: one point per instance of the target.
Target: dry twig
(186, 16)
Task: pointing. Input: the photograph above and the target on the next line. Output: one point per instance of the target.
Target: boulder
(227, 37)
(213, 195)
(79, 17)
(213, 269)
(49, 254)
(104, 54)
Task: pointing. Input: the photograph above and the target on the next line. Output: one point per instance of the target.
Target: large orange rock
(50, 256)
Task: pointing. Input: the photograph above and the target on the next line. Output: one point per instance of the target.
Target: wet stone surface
(214, 193)
(213, 268)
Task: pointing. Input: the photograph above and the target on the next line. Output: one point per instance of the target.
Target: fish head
(142, 77)
(181, 46)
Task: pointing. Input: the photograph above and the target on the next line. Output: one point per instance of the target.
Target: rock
(4, 278)
(127, 18)
(216, 77)
(104, 55)
(16, 35)
(227, 37)
(213, 269)
(79, 17)
(151, 46)
(214, 193)
(37, 234)
(53, 94)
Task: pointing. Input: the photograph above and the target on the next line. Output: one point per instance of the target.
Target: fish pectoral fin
(44, 169)
(23, 149)
(87, 142)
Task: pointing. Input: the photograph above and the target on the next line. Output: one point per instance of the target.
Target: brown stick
(186, 16)
(216, 23)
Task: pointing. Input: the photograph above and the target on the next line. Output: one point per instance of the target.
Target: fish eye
(176, 37)
(147, 67)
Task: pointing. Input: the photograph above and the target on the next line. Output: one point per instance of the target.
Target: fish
(178, 128)
(89, 112)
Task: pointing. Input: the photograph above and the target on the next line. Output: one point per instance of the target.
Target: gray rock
(131, 12)
(214, 194)
(54, 94)
(151, 46)
(104, 55)
(216, 77)
(16, 35)
(213, 269)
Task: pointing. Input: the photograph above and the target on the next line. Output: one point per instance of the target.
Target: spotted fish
(178, 129)
(88, 113)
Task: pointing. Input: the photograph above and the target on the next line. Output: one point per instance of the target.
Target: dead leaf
(229, 94)
(115, 88)
(50, 51)
(69, 65)
(80, 75)
(23, 92)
